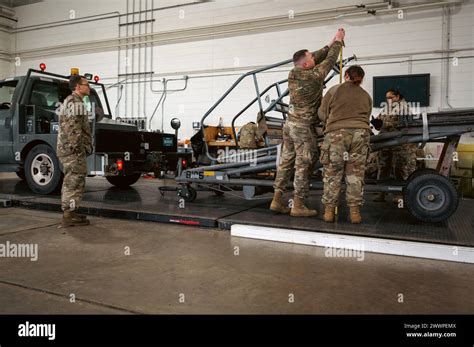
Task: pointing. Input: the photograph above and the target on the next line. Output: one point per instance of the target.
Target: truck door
(44, 96)
(7, 89)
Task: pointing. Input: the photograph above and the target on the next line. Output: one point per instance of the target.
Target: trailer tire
(419, 172)
(431, 197)
(123, 181)
(188, 193)
(42, 171)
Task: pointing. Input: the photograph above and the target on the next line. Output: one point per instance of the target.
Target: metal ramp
(141, 203)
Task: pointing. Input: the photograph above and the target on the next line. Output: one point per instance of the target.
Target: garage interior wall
(384, 43)
(6, 67)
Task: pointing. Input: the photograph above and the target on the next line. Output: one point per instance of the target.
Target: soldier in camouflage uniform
(372, 166)
(400, 158)
(345, 111)
(74, 145)
(299, 149)
(249, 136)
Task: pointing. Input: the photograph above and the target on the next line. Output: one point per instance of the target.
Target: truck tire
(21, 174)
(431, 197)
(42, 172)
(123, 181)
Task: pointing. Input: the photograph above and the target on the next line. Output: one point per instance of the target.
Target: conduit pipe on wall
(93, 18)
(207, 32)
(368, 59)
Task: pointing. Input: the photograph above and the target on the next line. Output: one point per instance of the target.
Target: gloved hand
(377, 123)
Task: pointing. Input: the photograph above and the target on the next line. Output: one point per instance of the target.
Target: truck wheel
(21, 174)
(42, 172)
(431, 197)
(123, 181)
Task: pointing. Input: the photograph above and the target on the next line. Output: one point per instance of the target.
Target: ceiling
(16, 3)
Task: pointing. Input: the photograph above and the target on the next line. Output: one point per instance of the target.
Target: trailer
(429, 194)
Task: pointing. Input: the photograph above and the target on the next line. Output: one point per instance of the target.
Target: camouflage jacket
(306, 86)
(391, 114)
(74, 137)
(249, 136)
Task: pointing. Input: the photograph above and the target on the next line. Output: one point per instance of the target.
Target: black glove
(377, 123)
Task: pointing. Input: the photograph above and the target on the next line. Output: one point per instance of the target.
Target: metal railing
(277, 86)
(259, 94)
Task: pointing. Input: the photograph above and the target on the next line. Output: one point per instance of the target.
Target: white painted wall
(5, 46)
(5, 69)
(370, 36)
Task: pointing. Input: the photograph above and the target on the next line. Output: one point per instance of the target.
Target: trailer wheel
(123, 181)
(188, 193)
(419, 172)
(431, 197)
(42, 172)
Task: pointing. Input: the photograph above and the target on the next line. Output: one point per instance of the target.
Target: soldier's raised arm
(321, 70)
(321, 54)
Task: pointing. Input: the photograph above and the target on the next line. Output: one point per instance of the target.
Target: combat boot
(329, 213)
(300, 210)
(70, 219)
(277, 203)
(380, 197)
(79, 215)
(356, 218)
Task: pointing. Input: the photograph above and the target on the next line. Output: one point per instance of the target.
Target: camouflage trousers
(401, 158)
(372, 166)
(75, 172)
(298, 154)
(344, 153)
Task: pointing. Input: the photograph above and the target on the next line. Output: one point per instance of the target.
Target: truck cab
(29, 126)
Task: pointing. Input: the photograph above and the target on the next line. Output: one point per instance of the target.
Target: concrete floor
(167, 261)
